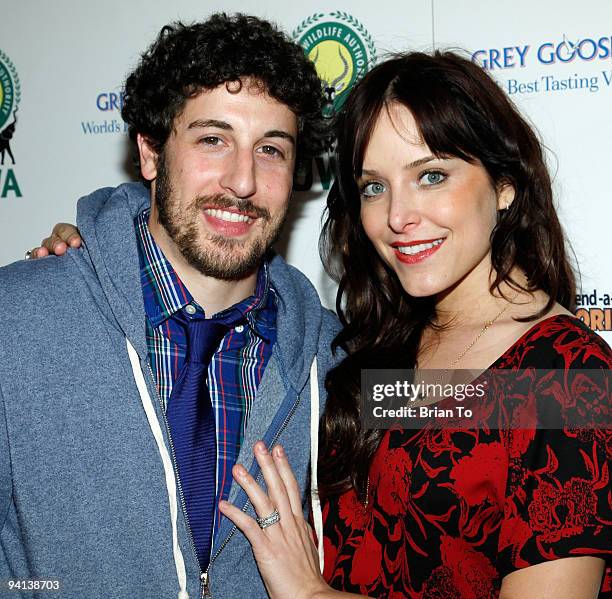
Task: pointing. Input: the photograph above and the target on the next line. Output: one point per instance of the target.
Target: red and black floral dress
(451, 512)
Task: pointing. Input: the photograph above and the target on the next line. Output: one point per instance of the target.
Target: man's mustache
(221, 202)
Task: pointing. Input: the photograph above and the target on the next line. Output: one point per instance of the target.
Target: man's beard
(213, 255)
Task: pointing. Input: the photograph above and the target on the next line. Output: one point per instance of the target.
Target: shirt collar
(165, 294)
(258, 310)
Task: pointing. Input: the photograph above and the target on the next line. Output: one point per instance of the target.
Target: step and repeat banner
(62, 65)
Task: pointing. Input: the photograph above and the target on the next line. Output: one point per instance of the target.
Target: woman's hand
(63, 236)
(285, 552)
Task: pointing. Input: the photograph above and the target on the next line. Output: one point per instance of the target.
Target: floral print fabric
(451, 512)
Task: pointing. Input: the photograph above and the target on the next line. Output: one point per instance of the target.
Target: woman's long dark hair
(460, 112)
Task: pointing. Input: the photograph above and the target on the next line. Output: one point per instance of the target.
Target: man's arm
(63, 236)
(6, 484)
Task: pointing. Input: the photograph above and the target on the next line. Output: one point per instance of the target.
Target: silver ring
(28, 255)
(273, 518)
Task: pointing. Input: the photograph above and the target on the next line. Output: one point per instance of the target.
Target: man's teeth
(415, 249)
(232, 217)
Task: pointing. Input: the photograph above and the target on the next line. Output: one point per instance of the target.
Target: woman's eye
(432, 178)
(372, 189)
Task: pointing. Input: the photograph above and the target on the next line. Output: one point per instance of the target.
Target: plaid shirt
(236, 369)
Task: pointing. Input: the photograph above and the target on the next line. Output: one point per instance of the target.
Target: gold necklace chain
(484, 329)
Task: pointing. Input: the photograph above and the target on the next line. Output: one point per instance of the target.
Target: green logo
(341, 49)
(10, 91)
(10, 95)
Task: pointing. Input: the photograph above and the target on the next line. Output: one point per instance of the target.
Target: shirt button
(190, 309)
(239, 328)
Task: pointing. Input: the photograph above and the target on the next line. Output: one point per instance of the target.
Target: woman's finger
(276, 487)
(67, 233)
(38, 252)
(286, 473)
(245, 523)
(259, 499)
(55, 245)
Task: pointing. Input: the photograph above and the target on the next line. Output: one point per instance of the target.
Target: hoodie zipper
(176, 474)
(205, 577)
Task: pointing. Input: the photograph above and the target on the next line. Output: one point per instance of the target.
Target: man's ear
(148, 158)
(505, 195)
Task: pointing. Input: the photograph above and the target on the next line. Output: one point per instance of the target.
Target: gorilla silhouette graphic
(5, 140)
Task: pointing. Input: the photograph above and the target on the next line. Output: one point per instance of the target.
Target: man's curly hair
(185, 59)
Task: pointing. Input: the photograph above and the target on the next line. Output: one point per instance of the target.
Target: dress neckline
(530, 331)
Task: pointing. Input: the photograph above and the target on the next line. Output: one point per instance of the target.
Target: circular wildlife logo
(10, 94)
(341, 49)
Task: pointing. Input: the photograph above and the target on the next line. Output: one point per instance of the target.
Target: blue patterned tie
(192, 425)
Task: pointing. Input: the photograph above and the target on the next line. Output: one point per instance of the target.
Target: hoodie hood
(105, 219)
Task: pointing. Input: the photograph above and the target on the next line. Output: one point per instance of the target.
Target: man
(117, 446)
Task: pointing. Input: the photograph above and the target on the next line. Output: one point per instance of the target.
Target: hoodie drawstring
(171, 488)
(317, 514)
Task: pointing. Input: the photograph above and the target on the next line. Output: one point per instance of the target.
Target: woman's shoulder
(558, 341)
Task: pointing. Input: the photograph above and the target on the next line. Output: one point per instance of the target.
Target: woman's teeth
(421, 247)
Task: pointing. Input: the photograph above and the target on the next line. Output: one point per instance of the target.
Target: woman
(443, 236)
(449, 254)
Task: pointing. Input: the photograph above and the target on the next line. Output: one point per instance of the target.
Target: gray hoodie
(84, 496)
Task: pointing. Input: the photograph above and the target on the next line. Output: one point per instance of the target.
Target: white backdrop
(64, 63)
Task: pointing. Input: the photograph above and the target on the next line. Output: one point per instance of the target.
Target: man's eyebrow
(201, 123)
(280, 133)
(415, 164)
